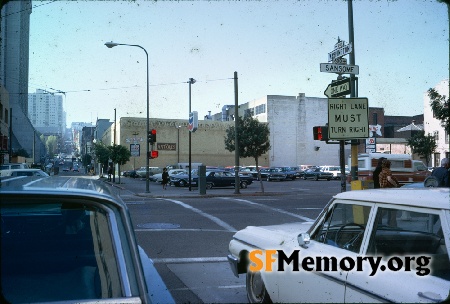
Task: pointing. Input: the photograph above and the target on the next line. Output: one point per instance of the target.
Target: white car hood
(272, 237)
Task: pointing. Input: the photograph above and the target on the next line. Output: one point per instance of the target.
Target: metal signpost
(347, 117)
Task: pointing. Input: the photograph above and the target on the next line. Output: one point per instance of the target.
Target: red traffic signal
(320, 133)
(153, 154)
(152, 136)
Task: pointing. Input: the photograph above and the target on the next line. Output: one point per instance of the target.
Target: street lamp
(147, 186)
(191, 82)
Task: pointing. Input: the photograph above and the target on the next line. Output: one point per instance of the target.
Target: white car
(380, 245)
(336, 170)
(158, 177)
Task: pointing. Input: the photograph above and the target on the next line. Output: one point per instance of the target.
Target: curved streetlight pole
(147, 186)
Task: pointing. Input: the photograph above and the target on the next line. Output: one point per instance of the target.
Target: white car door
(335, 240)
(407, 238)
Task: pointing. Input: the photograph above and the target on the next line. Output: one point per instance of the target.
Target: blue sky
(401, 48)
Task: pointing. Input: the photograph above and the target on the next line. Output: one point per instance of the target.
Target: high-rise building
(46, 113)
(14, 58)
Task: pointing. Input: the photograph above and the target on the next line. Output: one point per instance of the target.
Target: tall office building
(46, 112)
(14, 57)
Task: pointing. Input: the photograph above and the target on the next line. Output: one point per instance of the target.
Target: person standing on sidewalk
(165, 179)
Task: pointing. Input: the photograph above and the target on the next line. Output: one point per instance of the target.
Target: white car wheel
(256, 290)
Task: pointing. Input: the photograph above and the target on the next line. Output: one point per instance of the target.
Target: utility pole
(354, 144)
(236, 137)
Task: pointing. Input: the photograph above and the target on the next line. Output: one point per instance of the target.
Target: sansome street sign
(338, 88)
(339, 68)
(348, 118)
(340, 51)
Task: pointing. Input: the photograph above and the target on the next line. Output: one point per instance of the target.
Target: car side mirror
(303, 239)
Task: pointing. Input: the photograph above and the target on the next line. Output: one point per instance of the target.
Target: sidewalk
(156, 190)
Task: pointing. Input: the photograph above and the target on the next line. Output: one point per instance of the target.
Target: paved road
(187, 234)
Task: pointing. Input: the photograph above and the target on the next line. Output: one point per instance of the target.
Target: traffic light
(152, 154)
(320, 133)
(152, 136)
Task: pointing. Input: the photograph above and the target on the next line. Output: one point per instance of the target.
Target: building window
(260, 109)
(436, 135)
(6, 116)
(1, 111)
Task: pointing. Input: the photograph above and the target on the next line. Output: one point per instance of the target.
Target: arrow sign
(338, 88)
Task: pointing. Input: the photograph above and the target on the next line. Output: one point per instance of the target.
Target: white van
(403, 167)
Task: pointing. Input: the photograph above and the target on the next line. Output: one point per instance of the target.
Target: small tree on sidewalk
(119, 155)
(253, 137)
(423, 145)
(102, 154)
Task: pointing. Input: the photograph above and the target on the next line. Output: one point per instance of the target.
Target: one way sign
(338, 88)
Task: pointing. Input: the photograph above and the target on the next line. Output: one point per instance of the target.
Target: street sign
(342, 50)
(348, 118)
(193, 121)
(339, 68)
(338, 88)
(135, 150)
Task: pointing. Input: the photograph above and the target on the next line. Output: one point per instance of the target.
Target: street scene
(224, 151)
(187, 234)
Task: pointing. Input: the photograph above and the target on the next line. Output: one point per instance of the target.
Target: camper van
(403, 167)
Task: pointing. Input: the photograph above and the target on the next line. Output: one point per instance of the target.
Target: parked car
(251, 171)
(182, 180)
(222, 178)
(130, 173)
(71, 240)
(316, 174)
(290, 174)
(335, 170)
(274, 174)
(158, 177)
(405, 231)
(142, 171)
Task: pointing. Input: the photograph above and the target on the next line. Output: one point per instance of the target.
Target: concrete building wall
(207, 143)
(291, 121)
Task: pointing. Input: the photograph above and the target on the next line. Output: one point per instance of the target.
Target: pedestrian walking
(109, 173)
(165, 179)
(387, 180)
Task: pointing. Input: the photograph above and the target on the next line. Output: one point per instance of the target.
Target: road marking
(307, 219)
(209, 216)
(309, 208)
(190, 260)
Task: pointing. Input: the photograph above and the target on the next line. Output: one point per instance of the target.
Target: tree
(423, 145)
(51, 144)
(440, 107)
(119, 155)
(102, 154)
(253, 140)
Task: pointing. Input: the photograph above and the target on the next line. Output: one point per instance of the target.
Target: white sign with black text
(348, 118)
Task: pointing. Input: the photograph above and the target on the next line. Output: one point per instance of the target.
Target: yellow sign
(348, 118)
